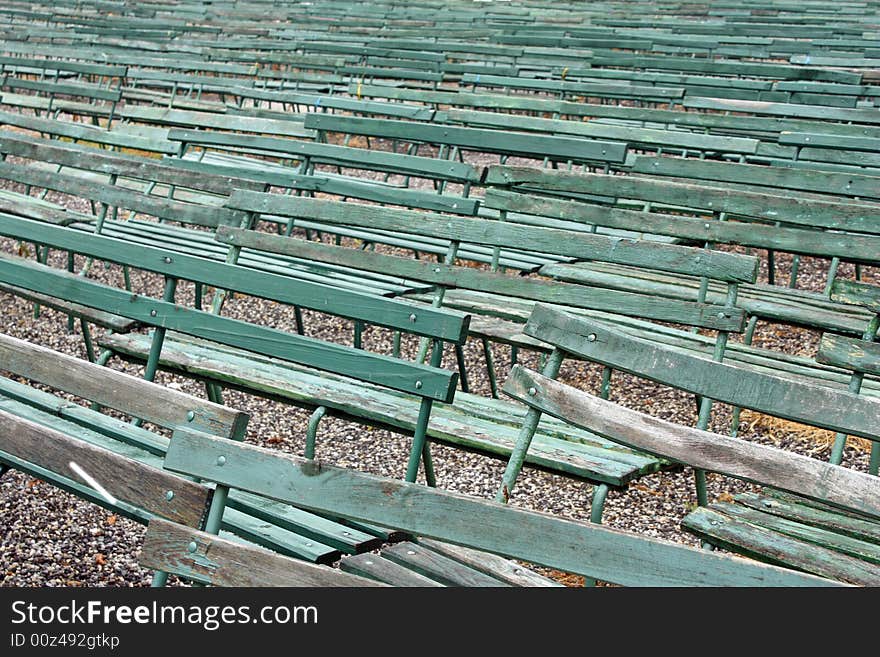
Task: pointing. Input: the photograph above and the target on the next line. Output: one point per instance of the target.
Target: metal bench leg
(874, 465)
(420, 440)
(87, 339)
(490, 367)
(597, 507)
(462, 368)
(3, 469)
(312, 431)
(395, 344)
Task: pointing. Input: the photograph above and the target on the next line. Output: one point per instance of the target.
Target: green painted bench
(44, 435)
(817, 517)
(581, 548)
(353, 383)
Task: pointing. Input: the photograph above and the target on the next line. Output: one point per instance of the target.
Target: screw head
(192, 547)
(418, 385)
(153, 313)
(533, 391)
(720, 315)
(167, 260)
(591, 337)
(412, 317)
(190, 416)
(221, 461)
(169, 495)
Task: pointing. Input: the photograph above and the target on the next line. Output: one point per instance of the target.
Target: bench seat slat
(439, 567)
(766, 545)
(221, 562)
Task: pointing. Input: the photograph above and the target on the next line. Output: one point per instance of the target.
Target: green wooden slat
(769, 546)
(791, 240)
(850, 353)
(591, 550)
(856, 293)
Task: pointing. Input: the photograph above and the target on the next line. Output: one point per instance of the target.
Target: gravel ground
(50, 538)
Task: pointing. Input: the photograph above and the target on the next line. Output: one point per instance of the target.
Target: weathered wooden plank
(438, 566)
(856, 293)
(115, 323)
(498, 567)
(849, 353)
(828, 539)
(766, 545)
(334, 154)
(591, 550)
(702, 449)
(418, 379)
(128, 199)
(684, 312)
(492, 432)
(835, 410)
(127, 480)
(101, 161)
(221, 562)
(276, 538)
(665, 257)
(812, 513)
(381, 569)
(825, 182)
(140, 398)
(444, 324)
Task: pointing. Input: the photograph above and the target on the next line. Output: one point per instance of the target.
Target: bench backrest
(421, 380)
(726, 267)
(485, 141)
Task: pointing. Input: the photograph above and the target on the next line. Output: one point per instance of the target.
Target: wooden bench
(581, 548)
(56, 440)
(331, 378)
(831, 500)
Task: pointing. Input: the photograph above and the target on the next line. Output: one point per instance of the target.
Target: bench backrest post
(526, 433)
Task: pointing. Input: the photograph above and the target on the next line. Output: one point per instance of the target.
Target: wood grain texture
(769, 206)
(439, 567)
(143, 399)
(222, 562)
(381, 569)
(772, 547)
(608, 554)
(856, 293)
(125, 479)
(491, 564)
(821, 406)
(701, 449)
(850, 353)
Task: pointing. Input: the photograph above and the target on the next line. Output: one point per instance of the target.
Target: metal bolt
(720, 315)
(591, 337)
(169, 495)
(192, 547)
(346, 533)
(221, 460)
(190, 416)
(533, 391)
(167, 260)
(418, 385)
(412, 317)
(697, 259)
(436, 270)
(706, 225)
(153, 313)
